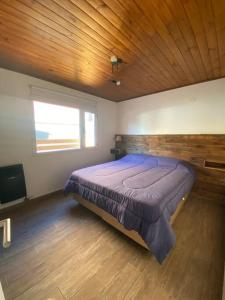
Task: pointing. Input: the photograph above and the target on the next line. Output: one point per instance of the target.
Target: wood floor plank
(62, 251)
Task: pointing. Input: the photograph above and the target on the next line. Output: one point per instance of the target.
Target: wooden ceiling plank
(67, 81)
(101, 30)
(41, 41)
(156, 43)
(101, 20)
(32, 67)
(64, 18)
(119, 53)
(182, 20)
(48, 42)
(161, 62)
(195, 20)
(36, 62)
(32, 57)
(65, 45)
(150, 12)
(74, 46)
(137, 37)
(37, 47)
(118, 50)
(59, 54)
(41, 11)
(15, 45)
(51, 19)
(205, 9)
(22, 36)
(55, 78)
(68, 13)
(177, 35)
(161, 50)
(219, 20)
(165, 44)
(124, 54)
(94, 29)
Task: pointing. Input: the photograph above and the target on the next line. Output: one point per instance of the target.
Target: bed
(139, 194)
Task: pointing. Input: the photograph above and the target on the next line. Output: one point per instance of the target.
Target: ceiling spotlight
(116, 82)
(116, 62)
(113, 59)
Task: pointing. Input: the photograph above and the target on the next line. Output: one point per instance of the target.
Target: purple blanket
(140, 191)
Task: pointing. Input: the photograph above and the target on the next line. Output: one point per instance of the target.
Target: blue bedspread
(140, 191)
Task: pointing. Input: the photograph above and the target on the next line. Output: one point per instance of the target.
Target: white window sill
(35, 153)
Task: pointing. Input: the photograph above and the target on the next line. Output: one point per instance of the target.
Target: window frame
(95, 129)
(82, 109)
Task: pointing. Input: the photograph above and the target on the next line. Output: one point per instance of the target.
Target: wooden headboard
(206, 152)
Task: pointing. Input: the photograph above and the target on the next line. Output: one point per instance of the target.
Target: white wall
(194, 109)
(45, 172)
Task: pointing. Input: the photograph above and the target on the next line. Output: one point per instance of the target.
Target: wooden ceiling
(165, 44)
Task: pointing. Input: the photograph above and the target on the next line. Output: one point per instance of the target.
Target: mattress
(140, 191)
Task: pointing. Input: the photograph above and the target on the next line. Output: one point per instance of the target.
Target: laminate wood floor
(60, 250)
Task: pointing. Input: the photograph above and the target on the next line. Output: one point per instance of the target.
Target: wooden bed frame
(112, 221)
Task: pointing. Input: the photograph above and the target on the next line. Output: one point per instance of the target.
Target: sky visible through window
(56, 121)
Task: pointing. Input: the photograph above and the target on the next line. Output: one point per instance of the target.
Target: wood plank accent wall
(192, 148)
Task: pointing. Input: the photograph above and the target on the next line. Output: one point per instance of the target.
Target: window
(57, 127)
(89, 129)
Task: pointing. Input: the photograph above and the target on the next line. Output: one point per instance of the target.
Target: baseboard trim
(46, 195)
(27, 200)
(12, 203)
